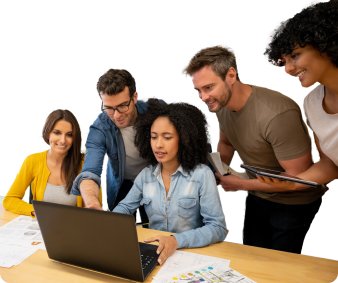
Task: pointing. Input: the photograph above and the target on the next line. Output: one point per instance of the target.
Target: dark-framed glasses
(111, 111)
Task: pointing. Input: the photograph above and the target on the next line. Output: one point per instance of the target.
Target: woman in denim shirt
(178, 191)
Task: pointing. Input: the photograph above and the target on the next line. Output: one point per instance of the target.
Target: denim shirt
(105, 137)
(192, 208)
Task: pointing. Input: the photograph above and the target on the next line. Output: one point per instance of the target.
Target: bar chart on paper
(193, 268)
(210, 274)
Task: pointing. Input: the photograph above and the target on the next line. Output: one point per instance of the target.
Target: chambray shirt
(192, 208)
(105, 138)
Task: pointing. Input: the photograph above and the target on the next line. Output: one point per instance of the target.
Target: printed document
(19, 239)
(204, 273)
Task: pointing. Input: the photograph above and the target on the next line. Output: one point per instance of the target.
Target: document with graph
(211, 272)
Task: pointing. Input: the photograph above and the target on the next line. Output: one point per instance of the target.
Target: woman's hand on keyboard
(167, 246)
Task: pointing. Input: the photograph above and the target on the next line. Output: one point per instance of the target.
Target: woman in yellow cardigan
(50, 173)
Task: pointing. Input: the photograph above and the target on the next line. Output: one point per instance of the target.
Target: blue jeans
(124, 190)
(277, 226)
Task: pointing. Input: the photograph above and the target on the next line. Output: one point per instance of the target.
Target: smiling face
(211, 88)
(61, 137)
(124, 119)
(164, 141)
(308, 65)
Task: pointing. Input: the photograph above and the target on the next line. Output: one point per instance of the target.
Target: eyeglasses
(121, 109)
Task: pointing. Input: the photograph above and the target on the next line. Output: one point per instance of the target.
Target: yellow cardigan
(33, 171)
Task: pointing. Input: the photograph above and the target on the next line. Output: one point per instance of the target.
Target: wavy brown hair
(72, 162)
(219, 58)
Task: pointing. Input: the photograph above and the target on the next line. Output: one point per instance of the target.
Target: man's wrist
(297, 186)
(245, 185)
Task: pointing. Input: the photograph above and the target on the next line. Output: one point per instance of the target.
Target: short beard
(224, 99)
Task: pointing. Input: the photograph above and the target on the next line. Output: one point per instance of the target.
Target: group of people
(157, 152)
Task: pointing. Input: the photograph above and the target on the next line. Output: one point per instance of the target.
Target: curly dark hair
(114, 81)
(190, 124)
(316, 25)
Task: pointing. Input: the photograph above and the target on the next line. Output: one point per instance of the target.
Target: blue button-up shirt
(192, 207)
(105, 137)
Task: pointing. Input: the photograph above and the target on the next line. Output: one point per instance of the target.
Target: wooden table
(261, 265)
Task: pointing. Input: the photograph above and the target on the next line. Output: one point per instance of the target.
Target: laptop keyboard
(146, 260)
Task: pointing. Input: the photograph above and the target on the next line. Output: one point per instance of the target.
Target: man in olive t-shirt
(267, 130)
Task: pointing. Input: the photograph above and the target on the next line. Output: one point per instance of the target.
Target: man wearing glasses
(112, 133)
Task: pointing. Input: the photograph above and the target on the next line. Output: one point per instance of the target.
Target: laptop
(99, 240)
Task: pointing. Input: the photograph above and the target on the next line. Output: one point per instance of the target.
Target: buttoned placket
(121, 152)
(166, 198)
(166, 203)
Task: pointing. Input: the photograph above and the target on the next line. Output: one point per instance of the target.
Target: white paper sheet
(22, 227)
(222, 168)
(19, 239)
(227, 168)
(23, 243)
(204, 273)
(11, 254)
(183, 260)
(215, 160)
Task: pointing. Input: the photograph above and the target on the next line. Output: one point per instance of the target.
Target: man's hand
(94, 206)
(90, 194)
(284, 185)
(229, 183)
(167, 246)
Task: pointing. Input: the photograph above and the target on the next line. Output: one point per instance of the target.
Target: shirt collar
(158, 167)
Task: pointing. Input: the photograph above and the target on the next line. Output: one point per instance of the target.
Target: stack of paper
(194, 268)
(222, 168)
(13, 254)
(19, 239)
(215, 160)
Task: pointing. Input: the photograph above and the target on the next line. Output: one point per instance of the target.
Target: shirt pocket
(187, 208)
(146, 202)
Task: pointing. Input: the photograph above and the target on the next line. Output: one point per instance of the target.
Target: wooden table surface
(260, 265)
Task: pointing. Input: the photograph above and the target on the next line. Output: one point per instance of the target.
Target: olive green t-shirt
(269, 128)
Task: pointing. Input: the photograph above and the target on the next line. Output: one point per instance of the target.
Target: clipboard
(278, 175)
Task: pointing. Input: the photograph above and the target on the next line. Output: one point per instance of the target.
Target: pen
(228, 172)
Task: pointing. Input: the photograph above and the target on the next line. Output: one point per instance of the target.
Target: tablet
(278, 175)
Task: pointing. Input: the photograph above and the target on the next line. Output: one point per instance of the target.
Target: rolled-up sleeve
(95, 152)
(214, 229)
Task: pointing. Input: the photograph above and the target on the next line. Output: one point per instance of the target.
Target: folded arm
(322, 172)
